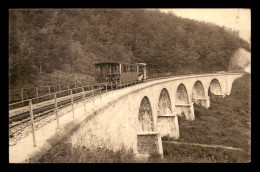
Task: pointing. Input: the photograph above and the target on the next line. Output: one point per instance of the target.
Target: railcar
(122, 73)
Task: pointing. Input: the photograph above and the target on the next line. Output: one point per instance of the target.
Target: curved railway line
(44, 106)
(21, 115)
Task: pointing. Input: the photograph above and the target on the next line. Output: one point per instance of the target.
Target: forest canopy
(42, 41)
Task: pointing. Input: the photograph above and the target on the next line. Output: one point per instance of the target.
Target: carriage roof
(119, 63)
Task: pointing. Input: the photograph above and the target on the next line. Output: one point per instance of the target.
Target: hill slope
(227, 122)
(45, 41)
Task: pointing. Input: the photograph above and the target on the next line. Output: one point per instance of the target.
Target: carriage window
(124, 68)
(117, 69)
(141, 70)
(133, 68)
(98, 70)
(112, 69)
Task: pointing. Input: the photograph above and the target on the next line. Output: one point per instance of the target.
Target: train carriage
(122, 73)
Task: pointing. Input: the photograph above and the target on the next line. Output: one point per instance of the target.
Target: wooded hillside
(70, 41)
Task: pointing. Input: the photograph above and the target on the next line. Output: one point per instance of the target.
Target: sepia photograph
(129, 85)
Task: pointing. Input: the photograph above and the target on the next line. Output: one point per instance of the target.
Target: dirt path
(204, 145)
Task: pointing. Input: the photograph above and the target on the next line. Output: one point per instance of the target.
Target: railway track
(17, 119)
(19, 116)
(16, 127)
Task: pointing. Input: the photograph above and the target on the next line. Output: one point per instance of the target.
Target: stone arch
(215, 87)
(164, 104)
(167, 123)
(182, 95)
(198, 90)
(145, 115)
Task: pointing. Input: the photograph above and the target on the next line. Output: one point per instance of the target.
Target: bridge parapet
(116, 123)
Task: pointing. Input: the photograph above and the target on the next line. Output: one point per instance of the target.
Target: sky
(238, 19)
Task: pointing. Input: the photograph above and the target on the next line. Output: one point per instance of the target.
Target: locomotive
(119, 72)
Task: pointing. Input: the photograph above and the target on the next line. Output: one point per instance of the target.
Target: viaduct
(136, 117)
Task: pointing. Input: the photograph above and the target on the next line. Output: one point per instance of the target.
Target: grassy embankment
(227, 122)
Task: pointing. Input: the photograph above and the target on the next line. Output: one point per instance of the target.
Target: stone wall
(119, 124)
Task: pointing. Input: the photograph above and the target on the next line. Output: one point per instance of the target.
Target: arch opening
(164, 103)
(146, 116)
(215, 88)
(182, 95)
(198, 91)
(167, 123)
